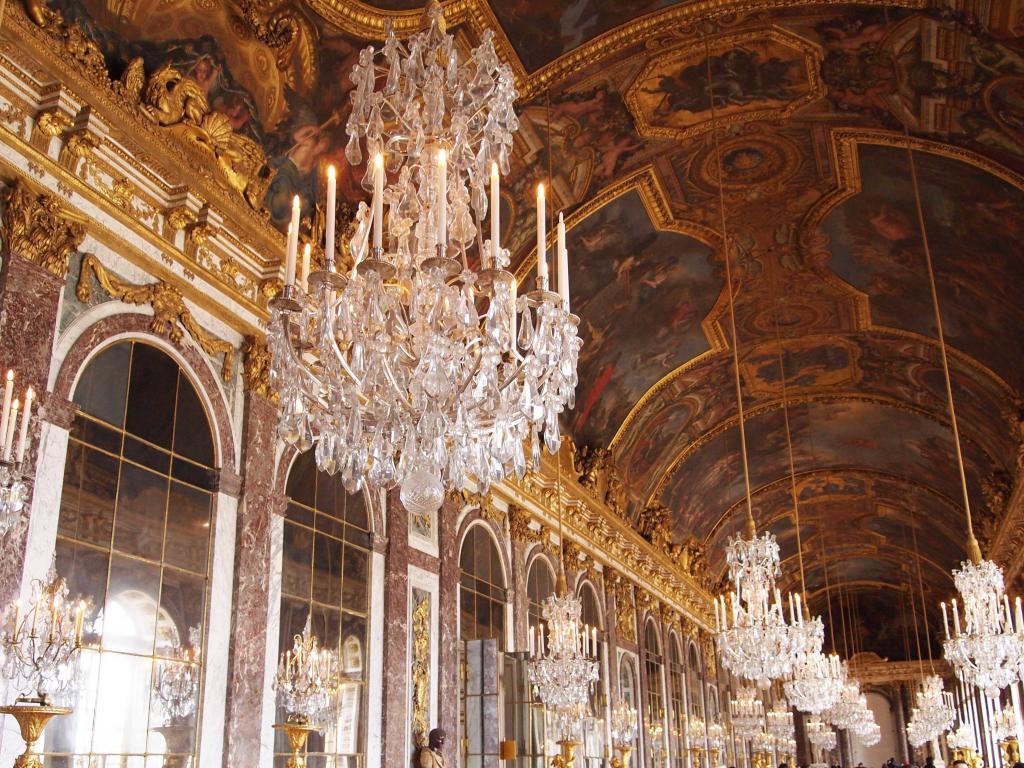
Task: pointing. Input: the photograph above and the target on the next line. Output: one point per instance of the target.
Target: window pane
(298, 554)
(196, 444)
(151, 395)
(85, 569)
(102, 386)
(142, 453)
(357, 570)
(129, 620)
(141, 503)
(327, 570)
(182, 607)
(122, 721)
(188, 528)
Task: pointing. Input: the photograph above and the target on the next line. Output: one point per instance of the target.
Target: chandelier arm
(400, 395)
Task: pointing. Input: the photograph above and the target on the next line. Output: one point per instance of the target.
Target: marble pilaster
(520, 600)
(248, 662)
(29, 309)
(448, 609)
(394, 648)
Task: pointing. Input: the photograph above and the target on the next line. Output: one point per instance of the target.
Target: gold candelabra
(297, 730)
(32, 719)
(567, 757)
(622, 760)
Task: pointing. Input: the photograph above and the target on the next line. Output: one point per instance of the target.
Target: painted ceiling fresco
(668, 126)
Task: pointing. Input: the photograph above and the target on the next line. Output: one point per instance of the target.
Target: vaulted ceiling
(801, 161)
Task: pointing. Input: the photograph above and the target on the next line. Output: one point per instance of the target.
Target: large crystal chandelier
(755, 642)
(414, 369)
(563, 668)
(747, 712)
(933, 712)
(987, 647)
(308, 679)
(816, 683)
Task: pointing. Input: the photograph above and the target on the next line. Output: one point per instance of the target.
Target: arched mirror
(482, 594)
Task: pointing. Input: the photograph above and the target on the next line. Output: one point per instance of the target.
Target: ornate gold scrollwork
(625, 610)
(483, 502)
(519, 525)
(256, 368)
(655, 525)
(36, 227)
(170, 315)
(420, 666)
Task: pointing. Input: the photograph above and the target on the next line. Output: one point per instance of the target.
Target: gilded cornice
(871, 669)
(601, 535)
(68, 59)
(171, 317)
(37, 227)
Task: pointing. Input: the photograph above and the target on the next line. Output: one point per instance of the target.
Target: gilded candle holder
(32, 720)
(622, 761)
(567, 757)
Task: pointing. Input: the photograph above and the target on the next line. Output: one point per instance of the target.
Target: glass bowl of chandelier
(422, 365)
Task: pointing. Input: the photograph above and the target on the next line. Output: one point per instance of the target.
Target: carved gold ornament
(35, 227)
(420, 666)
(256, 368)
(519, 525)
(170, 315)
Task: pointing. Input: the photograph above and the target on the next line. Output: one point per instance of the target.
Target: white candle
(25, 416)
(9, 434)
(442, 197)
(1019, 616)
(563, 265)
(8, 394)
(799, 610)
(593, 640)
(304, 273)
(532, 641)
(495, 215)
(945, 619)
(956, 618)
(293, 243)
(542, 247)
(378, 200)
(332, 204)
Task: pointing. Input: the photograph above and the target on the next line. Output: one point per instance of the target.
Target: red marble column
(397, 697)
(247, 662)
(29, 307)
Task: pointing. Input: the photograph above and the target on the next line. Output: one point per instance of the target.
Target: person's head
(436, 739)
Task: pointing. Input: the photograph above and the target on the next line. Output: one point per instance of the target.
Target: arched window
(694, 683)
(655, 715)
(594, 732)
(677, 692)
(627, 682)
(539, 584)
(325, 577)
(482, 593)
(134, 535)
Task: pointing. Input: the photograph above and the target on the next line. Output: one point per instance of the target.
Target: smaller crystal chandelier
(754, 640)
(1004, 725)
(42, 644)
(987, 648)
(696, 733)
(716, 742)
(747, 712)
(821, 734)
(563, 668)
(816, 683)
(623, 730)
(932, 714)
(308, 680)
(762, 743)
(780, 722)
(177, 682)
(846, 711)
(13, 485)
(962, 737)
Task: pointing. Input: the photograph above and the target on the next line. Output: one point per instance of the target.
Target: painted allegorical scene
(632, 272)
(973, 229)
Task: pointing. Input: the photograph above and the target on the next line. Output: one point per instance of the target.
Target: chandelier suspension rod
(913, 613)
(751, 526)
(920, 586)
(973, 549)
(828, 590)
(792, 465)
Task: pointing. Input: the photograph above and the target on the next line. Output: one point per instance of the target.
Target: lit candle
(945, 618)
(332, 203)
(25, 416)
(8, 393)
(304, 274)
(495, 215)
(533, 652)
(799, 611)
(9, 434)
(1020, 616)
(293, 242)
(563, 265)
(542, 246)
(378, 200)
(1006, 605)
(593, 640)
(79, 619)
(956, 618)
(442, 197)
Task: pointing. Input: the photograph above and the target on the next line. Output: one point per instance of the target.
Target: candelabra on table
(623, 729)
(41, 646)
(177, 692)
(716, 741)
(307, 684)
(656, 741)
(696, 738)
(14, 486)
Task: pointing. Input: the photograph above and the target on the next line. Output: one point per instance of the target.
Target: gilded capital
(256, 368)
(35, 227)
